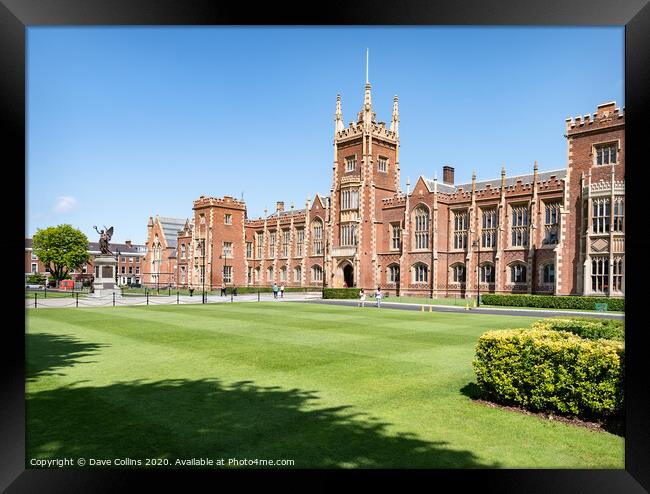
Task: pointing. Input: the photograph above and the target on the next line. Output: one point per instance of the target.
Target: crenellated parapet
(606, 186)
(606, 115)
(355, 130)
(380, 130)
(225, 201)
(488, 192)
(491, 189)
(394, 201)
(285, 220)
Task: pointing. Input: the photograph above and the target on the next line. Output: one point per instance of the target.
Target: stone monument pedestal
(105, 271)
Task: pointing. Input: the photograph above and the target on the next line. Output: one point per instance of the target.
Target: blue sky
(124, 123)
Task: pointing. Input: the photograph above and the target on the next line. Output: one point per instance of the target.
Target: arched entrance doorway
(348, 275)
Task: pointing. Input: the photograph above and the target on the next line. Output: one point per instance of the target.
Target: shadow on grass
(206, 418)
(45, 353)
(614, 424)
(473, 391)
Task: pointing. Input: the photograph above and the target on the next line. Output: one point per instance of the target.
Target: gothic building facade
(553, 232)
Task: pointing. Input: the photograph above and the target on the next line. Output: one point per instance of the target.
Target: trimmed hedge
(341, 292)
(590, 328)
(553, 301)
(545, 370)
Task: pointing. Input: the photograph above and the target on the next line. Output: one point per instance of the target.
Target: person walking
(378, 296)
(275, 290)
(223, 289)
(282, 290)
(362, 298)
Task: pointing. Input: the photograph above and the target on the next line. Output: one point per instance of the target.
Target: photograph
(331, 247)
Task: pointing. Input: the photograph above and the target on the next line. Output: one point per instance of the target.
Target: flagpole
(366, 65)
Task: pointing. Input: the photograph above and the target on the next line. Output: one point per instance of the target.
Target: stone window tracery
(421, 227)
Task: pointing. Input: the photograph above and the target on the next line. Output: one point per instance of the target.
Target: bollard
(45, 291)
(147, 298)
(170, 291)
(177, 297)
(35, 298)
(77, 302)
(113, 299)
(231, 295)
(258, 294)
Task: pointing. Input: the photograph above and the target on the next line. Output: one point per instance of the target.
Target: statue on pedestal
(104, 237)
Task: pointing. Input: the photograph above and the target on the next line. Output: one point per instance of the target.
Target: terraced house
(558, 231)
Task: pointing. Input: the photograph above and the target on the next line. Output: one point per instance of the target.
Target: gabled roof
(286, 213)
(170, 227)
(323, 199)
(496, 183)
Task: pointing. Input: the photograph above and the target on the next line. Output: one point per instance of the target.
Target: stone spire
(503, 177)
(367, 105)
(338, 116)
(394, 123)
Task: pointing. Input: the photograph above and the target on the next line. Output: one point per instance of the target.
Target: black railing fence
(121, 298)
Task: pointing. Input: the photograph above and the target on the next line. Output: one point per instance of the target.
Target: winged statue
(105, 236)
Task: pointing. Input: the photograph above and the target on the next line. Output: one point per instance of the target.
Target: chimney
(128, 242)
(280, 206)
(448, 175)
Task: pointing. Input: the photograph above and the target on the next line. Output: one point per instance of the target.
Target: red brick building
(129, 262)
(160, 263)
(558, 231)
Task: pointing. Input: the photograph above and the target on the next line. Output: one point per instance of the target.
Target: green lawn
(326, 386)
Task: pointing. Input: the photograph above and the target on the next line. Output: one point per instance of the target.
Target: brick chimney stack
(280, 206)
(128, 242)
(448, 175)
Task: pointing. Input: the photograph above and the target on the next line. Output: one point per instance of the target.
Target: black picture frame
(17, 15)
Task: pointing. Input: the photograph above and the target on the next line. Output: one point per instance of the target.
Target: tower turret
(394, 122)
(338, 116)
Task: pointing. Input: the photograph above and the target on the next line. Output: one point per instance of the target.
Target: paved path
(120, 301)
(479, 310)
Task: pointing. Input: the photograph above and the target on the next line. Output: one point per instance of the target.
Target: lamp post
(158, 262)
(398, 280)
(324, 251)
(477, 244)
(203, 269)
(225, 268)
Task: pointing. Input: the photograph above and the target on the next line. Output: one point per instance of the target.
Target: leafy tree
(61, 248)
